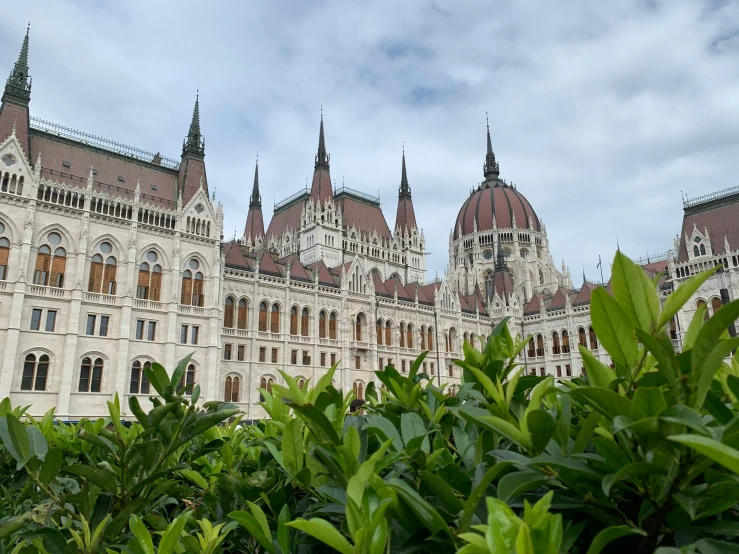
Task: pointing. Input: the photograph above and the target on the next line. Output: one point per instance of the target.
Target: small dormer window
(65, 163)
(121, 179)
(153, 187)
(8, 159)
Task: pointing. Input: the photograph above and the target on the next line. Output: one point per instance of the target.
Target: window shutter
(186, 291)
(96, 272)
(409, 339)
(109, 277)
(332, 329)
(228, 317)
(58, 265)
(43, 261)
(379, 334)
(321, 327)
(4, 255)
(388, 337)
(241, 323)
(431, 340)
(235, 390)
(262, 320)
(197, 292)
(156, 286)
(227, 392)
(275, 322)
(304, 325)
(293, 324)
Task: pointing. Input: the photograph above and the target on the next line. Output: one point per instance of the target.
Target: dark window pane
(139, 329)
(85, 375)
(183, 334)
(152, 330)
(35, 319)
(41, 372)
(97, 376)
(50, 320)
(104, 325)
(195, 335)
(28, 369)
(90, 325)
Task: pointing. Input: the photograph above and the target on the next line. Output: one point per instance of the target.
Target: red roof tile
(289, 217)
(297, 270)
(235, 258)
(534, 304)
(14, 114)
(324, 275)
(363, 216)
(506, 202)
(268, 265)
(583, 297)
(254, 223)
(405, 216)
(558, 300)
(720, 217)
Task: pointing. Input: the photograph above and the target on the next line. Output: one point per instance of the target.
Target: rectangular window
(568, 370)
(240, 353)
(227, 351)
(432, 368)
(323, 359)
(402, 366)
(424, 367)
(542, 371)
(262, 353)
(333, 360)
(35, 319)
(390, 362)
(90, 325)
(195, 334)
(104, 319)
(306, 358)
(140, 329)
(151, 335)
(183, 334)
(382, 364)
(274, 355)
(294, 357)
(50, 320)
(559, 370)
(357, 362)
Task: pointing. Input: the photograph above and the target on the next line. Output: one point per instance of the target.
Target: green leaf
(208, 420)
(141, 533)
(172, 535)
(411, 427)
(647, 402)
(316, 420)
(426, 513)
(683, 415)
(709, 367)
(483, 418)
(283, 533)
(133, 403)
(179, 371)
(541, 428)
(195, 477)
(613, 328)
(100, 477)
(292, 447)
(711, 333)
(477, 494)
(634, 292)
(385, 429)
(443, 492)
(720, 453)
(324, 532)
(261, 520)
(586, 431)
(599, 374)
(630, 471)
(18, 437)
(36, 442)
(157, 376)
(51, 466)
(609, 403)
(610, 534)
(416, 365)
(681, 295)
(98, 440)
(519, 482)
(696, 324)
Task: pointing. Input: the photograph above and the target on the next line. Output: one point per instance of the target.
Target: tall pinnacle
(256, 198)
(405, 189)
(500, 263)
(491, 168)
(18, 85)
(194, 143)
(322, 158)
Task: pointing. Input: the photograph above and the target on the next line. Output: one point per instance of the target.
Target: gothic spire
(18, 85)
(256, 198)
(405, 189)
(491, 168)
(500, 263)
(322, 158)
(194, 143)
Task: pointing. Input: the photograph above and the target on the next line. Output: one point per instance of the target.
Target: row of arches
(12, 183)
(711, 308)
(536, 346)
(384, 332)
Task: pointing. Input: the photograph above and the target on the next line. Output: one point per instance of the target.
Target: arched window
(91, 375)
(332, 325)
(149, 285)
(228, 313)
(379, 331)
(715, 304)
(192, 285)
(321, 324)
(539, 345)
(263, 316)
(294, 320)
(51, 262)
(582, 337)
(35, 372)
(423, 337)
(198, 298)
(4, 253)
(388, 334)
(402, 335)
(231, 392)
(358, 390)
(409, 336)
(139, 380)
(186, 287)
(696, 252)
(593, 339)
(188, 380)
(565, 342)
(301, 383)
(702, 303)
(274, 323)
(555, 343)
(703, 249)
(241, 315)
(103, 276)
(472, 340)
(358, 328)
(430, 338)
(489, 284)
(304, 322)
(532, 348)
(265, 384)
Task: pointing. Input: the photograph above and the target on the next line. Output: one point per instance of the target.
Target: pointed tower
(321, 185)
(192, 166)
(15, 100)
(405, 218)
(254, 220)
(491, 170)
(502, 282)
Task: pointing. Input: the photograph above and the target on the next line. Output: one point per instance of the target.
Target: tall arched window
(539, 345)
(593, 339)
(265, 384)
(581, 336)
(188, 380)
(423, 337)
(274, 322)
(301, 383)
(430, 338)
(149, 285)
(702, 303)
(379, 331)
(703, 249)
(696, 252)
(294, 320)
(532, 348)
(263, 316)
(192, 285)
(358, 327)
(241, 315)
(715, 304)
(565, 342)
(4, 253)
(198, 298)
(91, 375)
(103, 275)
(358, 390)
(35, 372)
(409, 336)
(472, 340)
(332, 319)
(231, 392)
(139, 380)
(321, 324)
(388, 334)
(401, 343)
(555, 343)
(186, 287)
(304, 322)
(50, 267)
(228, 313)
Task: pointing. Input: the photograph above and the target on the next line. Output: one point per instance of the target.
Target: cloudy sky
(600, 112)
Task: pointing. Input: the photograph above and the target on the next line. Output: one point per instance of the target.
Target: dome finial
(491, 170)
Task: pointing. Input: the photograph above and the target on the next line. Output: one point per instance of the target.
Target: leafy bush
(640, 458)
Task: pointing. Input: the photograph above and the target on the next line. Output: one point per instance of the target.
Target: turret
(320, 190)
(16, 97)
(405, 217)
(192, 167)
(254, 220)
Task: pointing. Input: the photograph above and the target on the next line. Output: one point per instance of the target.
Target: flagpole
(600, 265)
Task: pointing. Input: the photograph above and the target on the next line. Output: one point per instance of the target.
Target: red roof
(321, 185)
(254, 223)
(324, 275)
(297, 270)
(289, 217)
(503, 284)
(535, 304)
(268, 265)
(720, 216)
(235, 257)
(364, 216)
(15, 114)
(583, 297)
(405, 216)
(503, 201)
(559, 300)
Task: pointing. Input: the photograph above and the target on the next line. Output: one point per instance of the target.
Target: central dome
(494, 198)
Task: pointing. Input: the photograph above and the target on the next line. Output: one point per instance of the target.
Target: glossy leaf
(325, 532)
(610, 534)
(711, 448)
(613, 328)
